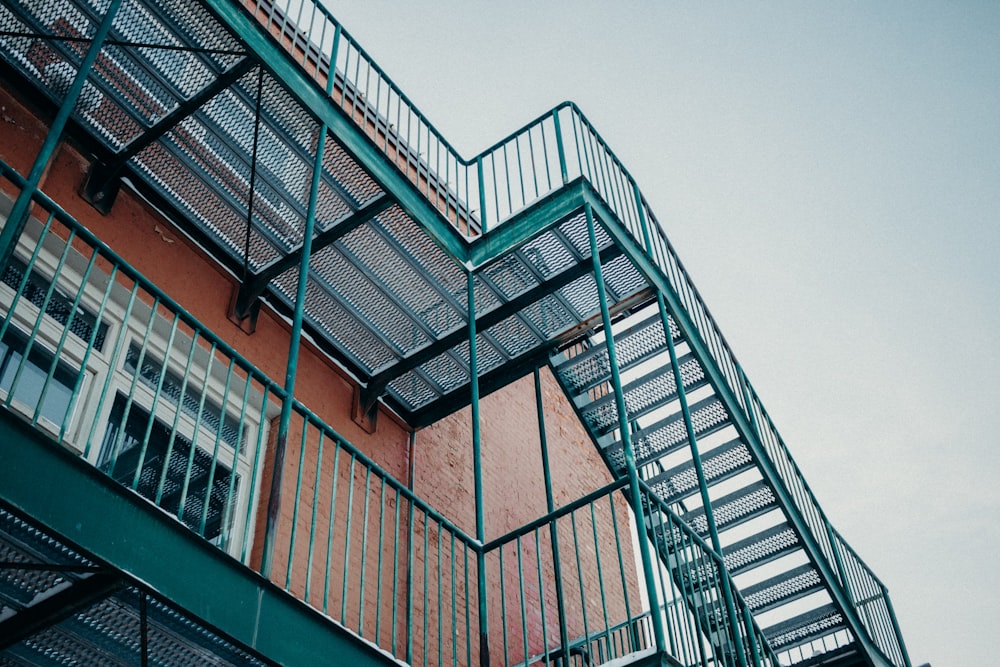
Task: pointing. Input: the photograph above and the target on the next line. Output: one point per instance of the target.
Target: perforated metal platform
(197, 126)
(58, 607)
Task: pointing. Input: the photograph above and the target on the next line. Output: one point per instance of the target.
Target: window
(169, 470)
(142, 395)
(27, 383)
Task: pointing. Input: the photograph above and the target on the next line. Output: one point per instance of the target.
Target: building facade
(287, 380)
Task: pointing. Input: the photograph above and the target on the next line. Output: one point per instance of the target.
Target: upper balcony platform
(201, 109)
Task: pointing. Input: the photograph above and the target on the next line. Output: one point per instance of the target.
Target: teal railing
(99, 358)
(480, 193)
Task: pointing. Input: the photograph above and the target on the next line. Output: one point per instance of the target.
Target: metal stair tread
(734, 508)
(720, 463)
(805, 627)
(761, 548)
(631, 350)
(782, 588)
(642, 395)
(663, 436)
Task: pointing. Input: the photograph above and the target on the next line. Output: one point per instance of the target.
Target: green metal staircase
(771, 556)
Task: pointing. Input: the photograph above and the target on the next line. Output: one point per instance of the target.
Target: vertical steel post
(18, 216)
(411, 470)
(477, 466)
(635, 498)
(482, 195)
(706, 501)
(274, 499)
(692, 441)
(559, 147)
(550, 506)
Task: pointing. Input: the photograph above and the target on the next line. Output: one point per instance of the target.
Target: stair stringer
(739, 419)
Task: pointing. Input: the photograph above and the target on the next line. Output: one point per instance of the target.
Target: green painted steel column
(477, 465)
(693, 442)
(274, 499)
(623, 425)
(19, 212)
(706, 501)
(550, 506)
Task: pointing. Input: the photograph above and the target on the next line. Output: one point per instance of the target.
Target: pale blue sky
(830, 174)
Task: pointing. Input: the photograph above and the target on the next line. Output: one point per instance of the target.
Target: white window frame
(84, 418)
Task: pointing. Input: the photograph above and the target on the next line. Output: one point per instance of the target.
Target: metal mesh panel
(345, 281)
(411, 390)
(22, 543)
(682, 481)
(446, 372)
(669, 434)
(194, 196)
(644, 395)
(638, 343)
(575, 231)
(407, 286)
(436, 264)
(509, 276)
(732, 511)
(514, 336)
(487, 355)
(622, 277)
(108, 633)
(831, 618)
(549, 316)
(338, 166)
(193, 24)
(792, 584)
(548, 255)
(354, 339)
(581, 294)
(761, 548)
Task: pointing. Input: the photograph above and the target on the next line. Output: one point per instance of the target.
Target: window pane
(165, 465)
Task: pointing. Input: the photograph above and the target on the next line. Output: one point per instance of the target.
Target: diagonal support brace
(245, 304)
(103, 182)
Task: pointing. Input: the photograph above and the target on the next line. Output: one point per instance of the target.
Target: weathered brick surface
(514, 495)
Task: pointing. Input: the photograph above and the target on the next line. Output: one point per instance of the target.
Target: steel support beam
(102, 184)
(477, 473)
(377, 385)
(251, 289)
(291, 369)
(548, 212)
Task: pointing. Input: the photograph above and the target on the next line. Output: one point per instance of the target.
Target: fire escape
(281, 147)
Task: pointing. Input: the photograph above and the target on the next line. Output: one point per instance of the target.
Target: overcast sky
(830, 174)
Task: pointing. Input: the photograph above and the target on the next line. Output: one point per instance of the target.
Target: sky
(830, 176)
